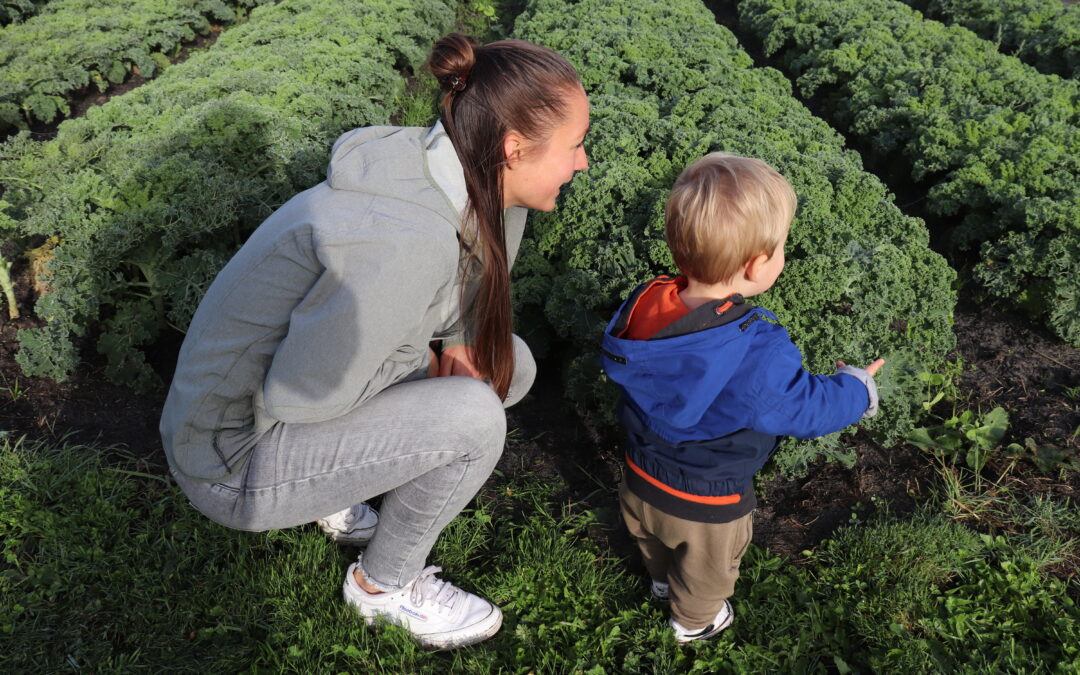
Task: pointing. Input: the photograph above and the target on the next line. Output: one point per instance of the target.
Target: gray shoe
(355, 525)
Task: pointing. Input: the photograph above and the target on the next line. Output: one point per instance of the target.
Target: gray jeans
(427, 446)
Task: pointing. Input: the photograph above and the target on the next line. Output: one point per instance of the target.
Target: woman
(360, 342)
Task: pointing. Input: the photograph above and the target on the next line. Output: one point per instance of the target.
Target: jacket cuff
(868, 381)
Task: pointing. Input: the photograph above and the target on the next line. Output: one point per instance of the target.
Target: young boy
(709, 383)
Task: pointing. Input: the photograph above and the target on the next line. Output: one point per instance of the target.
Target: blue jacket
(705, 401)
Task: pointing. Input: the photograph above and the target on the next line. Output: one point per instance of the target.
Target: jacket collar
(710, 315)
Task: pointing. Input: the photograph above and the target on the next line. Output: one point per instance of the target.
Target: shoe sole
(352, 538)
(715, 631)
(483, 630)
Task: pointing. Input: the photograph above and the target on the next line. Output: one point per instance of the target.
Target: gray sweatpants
(427, 446)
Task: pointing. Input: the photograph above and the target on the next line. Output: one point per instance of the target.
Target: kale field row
(994, 144)
(1044, 33)
(76, 44)
(861, 280)
(141, 201)
(15, 11)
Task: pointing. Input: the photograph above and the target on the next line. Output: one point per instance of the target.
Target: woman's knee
(479, 420)
(524, 372)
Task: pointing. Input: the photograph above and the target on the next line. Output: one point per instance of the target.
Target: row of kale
(1044, 33)
(138, 204)
(994, 143)
(15, 11)
(74, 44)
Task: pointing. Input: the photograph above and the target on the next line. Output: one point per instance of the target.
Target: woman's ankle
(363, 583)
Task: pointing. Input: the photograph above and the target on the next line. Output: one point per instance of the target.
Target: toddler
(710, 383)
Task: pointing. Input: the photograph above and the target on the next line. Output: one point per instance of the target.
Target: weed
(14, 391)
(1049, 459)
(961, 445)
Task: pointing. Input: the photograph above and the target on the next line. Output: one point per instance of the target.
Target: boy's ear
(752, 268)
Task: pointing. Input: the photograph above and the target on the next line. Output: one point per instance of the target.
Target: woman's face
(534, 173)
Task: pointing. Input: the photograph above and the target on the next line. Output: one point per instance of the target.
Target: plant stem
(9, 288)
(23, 180)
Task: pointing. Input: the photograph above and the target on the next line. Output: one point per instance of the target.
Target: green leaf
(841, 666)
(117, 71)
(920, 438)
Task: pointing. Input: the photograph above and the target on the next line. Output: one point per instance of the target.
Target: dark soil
(1034, 377)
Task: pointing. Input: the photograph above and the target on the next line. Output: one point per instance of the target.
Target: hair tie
(457, 83)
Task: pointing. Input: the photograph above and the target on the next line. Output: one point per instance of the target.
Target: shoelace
(428, 588)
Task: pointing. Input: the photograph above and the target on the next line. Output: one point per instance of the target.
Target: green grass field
(106, 568)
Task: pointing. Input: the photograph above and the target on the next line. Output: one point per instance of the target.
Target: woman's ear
(512, 146)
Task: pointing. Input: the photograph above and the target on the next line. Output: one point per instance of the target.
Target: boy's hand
(872, 368)
(868, 382)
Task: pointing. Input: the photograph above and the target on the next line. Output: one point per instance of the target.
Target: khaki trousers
(700, 561)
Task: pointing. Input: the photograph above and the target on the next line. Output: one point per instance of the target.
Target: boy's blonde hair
(723, 211)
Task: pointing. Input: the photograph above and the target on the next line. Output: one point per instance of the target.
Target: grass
(106, 568)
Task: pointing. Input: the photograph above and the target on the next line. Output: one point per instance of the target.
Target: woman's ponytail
(488, 91)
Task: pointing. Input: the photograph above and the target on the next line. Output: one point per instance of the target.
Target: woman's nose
(582, 162)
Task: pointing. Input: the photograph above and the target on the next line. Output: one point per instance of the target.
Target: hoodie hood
(382, 161)
(412, 164)
(675, 379)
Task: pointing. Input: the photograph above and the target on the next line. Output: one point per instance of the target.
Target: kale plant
(995, 143)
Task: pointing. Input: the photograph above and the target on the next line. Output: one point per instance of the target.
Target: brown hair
(723, 211)
(490, 90)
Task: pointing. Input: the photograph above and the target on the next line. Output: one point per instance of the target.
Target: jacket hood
(676, 379)
(382, 161)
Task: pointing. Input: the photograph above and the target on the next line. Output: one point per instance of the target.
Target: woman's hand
(458, 360)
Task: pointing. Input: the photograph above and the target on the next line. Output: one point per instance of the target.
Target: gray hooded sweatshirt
(335, 297)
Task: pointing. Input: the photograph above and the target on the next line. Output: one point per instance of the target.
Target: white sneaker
(438, 614)
(722, 621)
(354, 525)
(660, 591)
